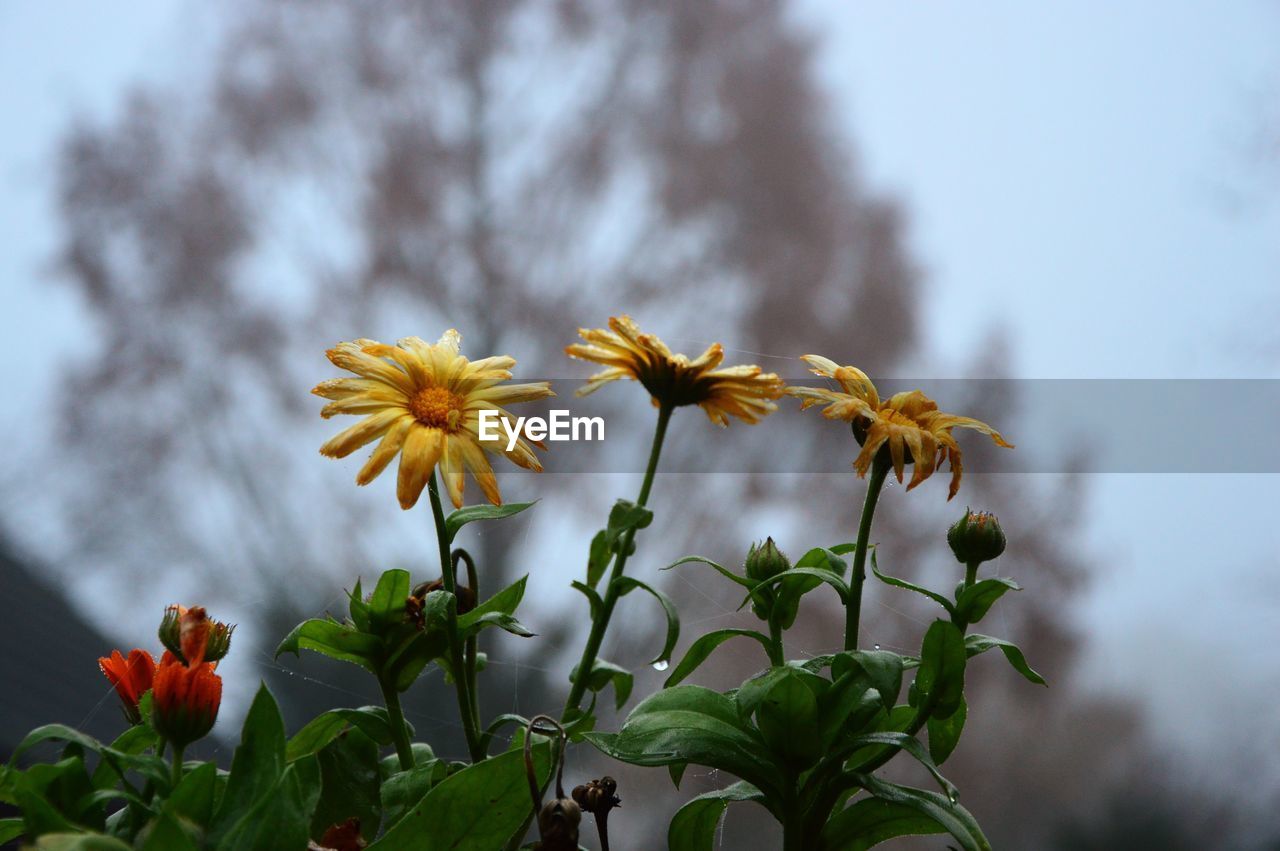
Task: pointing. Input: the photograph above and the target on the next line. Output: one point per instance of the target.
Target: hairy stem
(456, 662)
(601, 623)
(177, 765)
(853, 606)
(399, 732)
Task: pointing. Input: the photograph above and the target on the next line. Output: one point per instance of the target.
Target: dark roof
(48, 659)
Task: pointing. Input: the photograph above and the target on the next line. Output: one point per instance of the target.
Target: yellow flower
(424, 401)
(910, 423)
(745, 392)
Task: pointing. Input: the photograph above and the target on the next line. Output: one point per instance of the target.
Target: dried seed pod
(598, 797)
(466, 598)
(559, 818)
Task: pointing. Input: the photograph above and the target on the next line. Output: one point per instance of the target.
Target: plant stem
(399, 733)
(601, 623)
(971, 573)
(853, 607)
(777, 657)
(456, 662)
(177, 765)
(471, 652)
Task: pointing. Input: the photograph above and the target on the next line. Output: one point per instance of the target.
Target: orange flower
(909, 424)
(746, 392)
(185, 700)
(131, 677)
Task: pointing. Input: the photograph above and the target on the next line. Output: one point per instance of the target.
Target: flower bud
(976, 537)
(184, 700)
(766, 560)
(131, 678)
(192, 636)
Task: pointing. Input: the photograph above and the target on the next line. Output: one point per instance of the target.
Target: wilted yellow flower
(424, 401)
(745, 392)
(910, 423)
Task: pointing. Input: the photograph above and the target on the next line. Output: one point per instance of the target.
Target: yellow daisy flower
(915, 430)
(424, 402)
(746, 392)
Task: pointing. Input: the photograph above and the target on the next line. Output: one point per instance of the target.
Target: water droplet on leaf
(661, 665)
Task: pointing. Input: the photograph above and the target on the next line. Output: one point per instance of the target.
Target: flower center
(437, 407)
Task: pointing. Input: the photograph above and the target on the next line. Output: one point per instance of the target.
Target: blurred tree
(513, 169)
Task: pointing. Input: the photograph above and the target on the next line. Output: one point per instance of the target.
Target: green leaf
(358, 608)
(952, 817)
(166, 833)
(457, 519)
(196, 795)
(911, 745)
(627, 584)
(415, 652)
(870, 821)
(55, 733)
(702, 648)
(976, 644)
(940, 678)
(502, 620)
(787, 718)
(885, 670)
(819, 573)
(603, 673)
(902, 583)
(593, 597)
(39, 815)
(749, 695)
(693, 828)
(257, 765)
(481, 806)
(335, 640)
(816, 566)
(131, 742)
(624, 519)
(79, 842)
(626, 516)
(977, 599)
(847, 704)
(690, 724)
(386, 604)
(389, 766)
(327, 726)
(10, 829)
(944, 734)
(280, 818)
(504, 602)
(598, 558)
(402, 791)
(724, 571)
(350, 784)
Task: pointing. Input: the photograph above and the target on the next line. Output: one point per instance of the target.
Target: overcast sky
(1092, 179)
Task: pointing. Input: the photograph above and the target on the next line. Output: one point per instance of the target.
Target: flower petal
(391, 444)
(418, 458)
(370, 428)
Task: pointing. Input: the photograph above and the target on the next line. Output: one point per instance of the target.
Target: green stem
(471, 652)
(853, 607)
(971, 573)
(456, 662)
(399, 733)
(777, 657)
(601, 623)
(177, 765)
